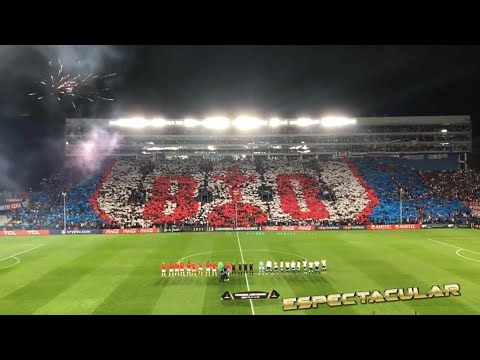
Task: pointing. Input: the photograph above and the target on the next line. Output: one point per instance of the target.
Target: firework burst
(79, 87)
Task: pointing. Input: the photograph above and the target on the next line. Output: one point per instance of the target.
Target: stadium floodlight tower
(64, 212)
(401, 192)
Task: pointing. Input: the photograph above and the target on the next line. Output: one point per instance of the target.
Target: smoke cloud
(93, 149)
(6, 181)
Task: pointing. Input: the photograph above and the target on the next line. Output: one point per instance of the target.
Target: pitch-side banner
(354, 227)
(24, 232)
(437, 226)
(130, 231)
(252, 228)
(76, 232)
(342, 227)
(393, 227)
(288, 228)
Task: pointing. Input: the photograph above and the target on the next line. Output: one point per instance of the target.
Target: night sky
(187, 80)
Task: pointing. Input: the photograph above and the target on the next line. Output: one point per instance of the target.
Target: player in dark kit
(240, 268)
(251, 268)
(233, 268)
(245, 268)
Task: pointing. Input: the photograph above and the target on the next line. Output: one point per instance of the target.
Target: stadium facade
(278, 138)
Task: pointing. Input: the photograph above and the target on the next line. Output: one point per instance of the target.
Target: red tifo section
(316, 210)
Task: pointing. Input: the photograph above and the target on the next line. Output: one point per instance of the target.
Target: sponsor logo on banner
(441, 226)
(354, 227)
(172, 230)
(111, 231)
(130, 231)
(194, 228)
(24, 232)
(75, 232)
(328, 227)
(288, 228)
(253, 228)
(393, 227)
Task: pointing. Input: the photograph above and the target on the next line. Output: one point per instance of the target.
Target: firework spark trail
(61, 85)
(113, 74)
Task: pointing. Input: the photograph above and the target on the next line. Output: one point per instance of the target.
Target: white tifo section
(117, 189)
(126, 177)
(274, 168)
(246, 276)
(187, 167)
(221, 192)
(351, 195)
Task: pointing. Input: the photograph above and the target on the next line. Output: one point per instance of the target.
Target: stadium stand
(129, 193)
(387, 176)
(463, 185)
(48, 211)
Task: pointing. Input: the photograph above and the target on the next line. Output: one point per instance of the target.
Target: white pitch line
(13, 257)
(457, 247)
(21, 252)
(465, 257)
(246, 276)
(458, 250)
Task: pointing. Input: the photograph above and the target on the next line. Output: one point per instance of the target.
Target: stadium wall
(254, 228)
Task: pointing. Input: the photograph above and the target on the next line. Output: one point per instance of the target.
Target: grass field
(119, 274)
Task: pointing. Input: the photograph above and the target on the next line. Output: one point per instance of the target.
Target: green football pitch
(120, 274)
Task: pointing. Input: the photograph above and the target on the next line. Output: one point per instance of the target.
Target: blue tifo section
(49, 213)
(386, 176)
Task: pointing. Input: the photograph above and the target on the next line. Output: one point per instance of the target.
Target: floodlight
(216, 122)
(248, 122)
(333, 121)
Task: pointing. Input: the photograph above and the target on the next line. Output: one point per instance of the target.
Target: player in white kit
(317, 266)
(324, 266)
(275, 267)
(304, 266)
(287, 266)
(310, 266)
(292, 266)
(269, 266)
(281, 266)
(298, 266)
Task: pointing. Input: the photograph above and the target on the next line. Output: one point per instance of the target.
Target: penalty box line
(246, 276)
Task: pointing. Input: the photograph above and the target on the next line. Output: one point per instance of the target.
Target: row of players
(178, 268)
